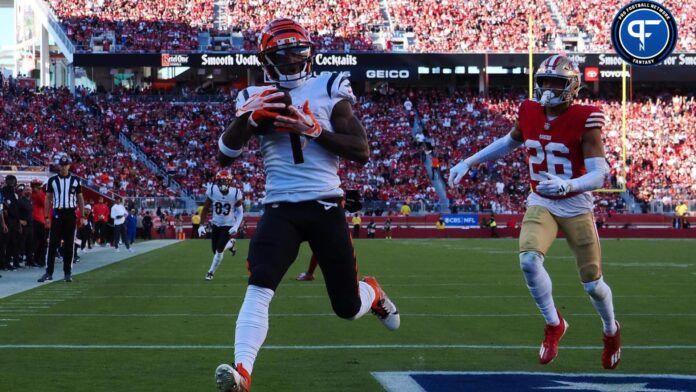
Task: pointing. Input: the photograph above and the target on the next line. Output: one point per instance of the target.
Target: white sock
(367, 297)
(601, 298)
(217, 259)
(539, 285)
(230, 244)
(252, 325)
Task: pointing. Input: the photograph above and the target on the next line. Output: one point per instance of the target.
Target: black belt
(337, 200)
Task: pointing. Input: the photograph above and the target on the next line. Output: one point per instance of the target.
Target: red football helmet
(286, 52)
(223, 179)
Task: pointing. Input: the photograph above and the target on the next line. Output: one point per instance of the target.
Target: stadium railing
(658, 207)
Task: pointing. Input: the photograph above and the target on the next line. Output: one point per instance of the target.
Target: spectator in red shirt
(38, 200)
(101, 215)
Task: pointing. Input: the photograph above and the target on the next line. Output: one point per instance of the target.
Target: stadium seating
(180, 138)
(38, 126)
(341, 25)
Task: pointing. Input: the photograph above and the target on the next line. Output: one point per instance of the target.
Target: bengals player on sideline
(226, 205)
(566, 161)
(304, 201)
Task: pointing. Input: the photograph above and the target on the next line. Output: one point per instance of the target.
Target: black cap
(64, 160)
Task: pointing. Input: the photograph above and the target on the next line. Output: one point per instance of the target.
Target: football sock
(230, 244)
(601, 298)
(252, 325)
(312, 265)
(217, 259)
(539, 285)
(367, 297)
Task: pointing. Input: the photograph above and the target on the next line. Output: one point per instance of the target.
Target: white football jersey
(222, 205)
(316, 178)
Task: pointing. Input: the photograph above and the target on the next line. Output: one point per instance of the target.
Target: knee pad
(590, 272)
(531, 261)
(596, 289)
(346, 307)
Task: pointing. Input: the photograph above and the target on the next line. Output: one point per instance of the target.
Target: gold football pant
(539, 229)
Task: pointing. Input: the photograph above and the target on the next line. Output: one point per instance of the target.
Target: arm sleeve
(597, 170)
(495, 150)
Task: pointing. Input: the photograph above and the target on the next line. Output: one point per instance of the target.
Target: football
(266, 125)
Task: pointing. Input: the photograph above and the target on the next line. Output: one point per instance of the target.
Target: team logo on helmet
(286, 52)
(560, 71)
(644, 33)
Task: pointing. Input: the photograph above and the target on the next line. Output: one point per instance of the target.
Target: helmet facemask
(224, 185)
(288, 66)
(556, 95)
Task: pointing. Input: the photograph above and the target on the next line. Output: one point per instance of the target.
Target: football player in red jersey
(566, 161)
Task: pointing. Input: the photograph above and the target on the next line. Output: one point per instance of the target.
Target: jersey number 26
(538, 154)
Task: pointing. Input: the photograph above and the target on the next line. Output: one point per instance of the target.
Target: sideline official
(63, 196)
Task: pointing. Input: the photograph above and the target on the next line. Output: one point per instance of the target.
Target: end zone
(532, 381)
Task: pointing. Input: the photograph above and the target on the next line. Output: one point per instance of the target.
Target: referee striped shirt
(64, 191)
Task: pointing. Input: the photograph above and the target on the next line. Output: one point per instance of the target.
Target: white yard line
(323, 347)
(404, 315)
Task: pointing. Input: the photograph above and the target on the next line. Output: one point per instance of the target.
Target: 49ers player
(566, 161)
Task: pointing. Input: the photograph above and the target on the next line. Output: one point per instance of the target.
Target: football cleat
(305, 277)
(44, 278)
(232, 378)
(611, 355)
(383, 307)
(552, 335)
(209, 276)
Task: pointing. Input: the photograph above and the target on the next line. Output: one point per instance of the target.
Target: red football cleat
(611, 355)
(232, 378)
(552, 335)
(305, 277)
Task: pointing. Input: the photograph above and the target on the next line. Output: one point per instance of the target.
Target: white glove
(232, 231)
(301, 122)
(553, 186)
(201, 231)
(457, 173)
(261, 107)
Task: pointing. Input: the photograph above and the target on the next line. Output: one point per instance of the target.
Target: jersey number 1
(538, 154)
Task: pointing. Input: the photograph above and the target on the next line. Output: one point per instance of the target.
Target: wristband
(228, 152)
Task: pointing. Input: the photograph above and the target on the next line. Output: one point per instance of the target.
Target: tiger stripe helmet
(557, 66)
(286, 52)
(223, 179)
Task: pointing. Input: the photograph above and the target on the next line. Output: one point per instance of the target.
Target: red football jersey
(555, 146)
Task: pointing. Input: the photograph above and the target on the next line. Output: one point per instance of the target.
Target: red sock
(312, 265)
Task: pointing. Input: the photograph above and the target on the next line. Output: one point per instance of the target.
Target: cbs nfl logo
(644, 33)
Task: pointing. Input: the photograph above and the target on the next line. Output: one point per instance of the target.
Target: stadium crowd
(405, 128)
(36, 127)
(342, 25)
(473, 26)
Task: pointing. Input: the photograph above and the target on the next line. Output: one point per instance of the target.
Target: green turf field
(151, 323)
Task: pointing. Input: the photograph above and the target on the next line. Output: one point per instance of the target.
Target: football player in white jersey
(226, 205)
(304, 201)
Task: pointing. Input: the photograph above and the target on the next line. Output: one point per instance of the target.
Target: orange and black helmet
(223, 179)
(286, 52)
